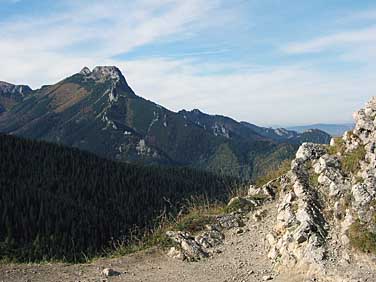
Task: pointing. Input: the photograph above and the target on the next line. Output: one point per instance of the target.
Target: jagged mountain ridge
(226, 127)
(291, 136)
(11, 94)
(333, 129)
(97, 111)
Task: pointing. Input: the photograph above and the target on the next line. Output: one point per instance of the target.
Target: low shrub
(361, 238)
(351, 161)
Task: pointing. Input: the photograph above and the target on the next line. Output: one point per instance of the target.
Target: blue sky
(268, 62)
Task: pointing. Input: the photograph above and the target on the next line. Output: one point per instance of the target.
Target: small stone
(239, 231)
(267, 278)
(107, 272)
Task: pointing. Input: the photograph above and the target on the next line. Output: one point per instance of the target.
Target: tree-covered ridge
(61, 203)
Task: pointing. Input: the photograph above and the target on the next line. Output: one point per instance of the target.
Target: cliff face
(326, 220)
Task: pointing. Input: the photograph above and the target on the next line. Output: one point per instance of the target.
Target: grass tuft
(197, 214)
(361, 238)
(339, 146)
(351, 161)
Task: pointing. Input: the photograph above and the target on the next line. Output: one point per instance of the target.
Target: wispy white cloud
(44, 49)
(338, 40)
(275, 95)
(93, 33)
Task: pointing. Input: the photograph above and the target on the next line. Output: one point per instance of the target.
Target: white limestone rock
(310, 151)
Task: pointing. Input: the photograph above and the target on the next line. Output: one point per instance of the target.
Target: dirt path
(242, 257)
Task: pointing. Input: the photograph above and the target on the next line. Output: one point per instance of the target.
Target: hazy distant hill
(332, 129)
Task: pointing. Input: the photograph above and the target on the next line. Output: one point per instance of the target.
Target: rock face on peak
(326, 207)
(85, 71)
(103, 73)
(11, 89)
(11, 94)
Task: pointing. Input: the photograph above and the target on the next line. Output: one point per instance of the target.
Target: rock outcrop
(8, 89)
(326, 210)
(327, 190)
(11, 94)
(195, 247)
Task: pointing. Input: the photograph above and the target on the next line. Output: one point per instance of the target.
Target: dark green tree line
(61, 203)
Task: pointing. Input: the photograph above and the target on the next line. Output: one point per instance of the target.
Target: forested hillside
(61, 203)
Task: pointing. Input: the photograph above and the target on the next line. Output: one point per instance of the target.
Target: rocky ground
(241, 257)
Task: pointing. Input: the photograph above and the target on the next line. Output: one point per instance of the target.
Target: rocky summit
(97, 111)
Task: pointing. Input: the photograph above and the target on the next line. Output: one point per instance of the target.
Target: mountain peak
(85, 71)
(11, 89)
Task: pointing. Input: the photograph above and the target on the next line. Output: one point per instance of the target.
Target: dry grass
(244, 204)
(197, 214)
(351, 161)
(67, 95)
(339, 146)
(274, 174)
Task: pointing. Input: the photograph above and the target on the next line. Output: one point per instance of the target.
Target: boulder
(209, 239)
(107, 272)
(310, 151)
(229, 221)
(241, 204)
(191, 249)
(176, 254)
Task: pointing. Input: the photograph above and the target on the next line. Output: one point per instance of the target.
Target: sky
(270, 62)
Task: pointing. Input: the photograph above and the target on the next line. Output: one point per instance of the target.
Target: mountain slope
(61, 203)
(97, 111)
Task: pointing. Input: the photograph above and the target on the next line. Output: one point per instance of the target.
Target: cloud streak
(337, 40)
(275, 95)
(90, 34)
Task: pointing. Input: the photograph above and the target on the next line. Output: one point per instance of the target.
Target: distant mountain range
(332, 129)
(97, 111)
(11, 94)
